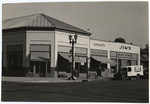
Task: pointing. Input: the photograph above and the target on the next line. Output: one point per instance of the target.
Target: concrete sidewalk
(48, 79)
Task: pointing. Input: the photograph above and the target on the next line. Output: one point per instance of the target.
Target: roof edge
(114, 42)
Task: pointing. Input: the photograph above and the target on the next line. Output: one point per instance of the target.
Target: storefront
(65, 60)
(40, 59)
(98, 61)
(113, 55)
(64, 54)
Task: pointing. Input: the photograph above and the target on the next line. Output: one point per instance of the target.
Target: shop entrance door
(42, 71)
(119, 62)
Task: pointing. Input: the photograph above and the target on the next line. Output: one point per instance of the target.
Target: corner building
(38, 45)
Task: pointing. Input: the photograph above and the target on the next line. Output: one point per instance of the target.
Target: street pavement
(94, 91)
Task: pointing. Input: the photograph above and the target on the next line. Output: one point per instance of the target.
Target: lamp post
(87, 59)
(73, 41)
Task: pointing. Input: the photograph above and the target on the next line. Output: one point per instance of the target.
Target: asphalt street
(95, 91)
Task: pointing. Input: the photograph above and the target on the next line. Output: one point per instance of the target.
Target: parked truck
(129, 72)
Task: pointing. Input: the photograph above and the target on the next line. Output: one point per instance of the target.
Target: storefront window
(134, 59)
(129, 62)
(134, 62)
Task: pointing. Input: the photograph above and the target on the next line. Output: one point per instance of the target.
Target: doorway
(40, 68)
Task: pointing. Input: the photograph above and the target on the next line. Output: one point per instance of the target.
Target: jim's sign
(125, 47)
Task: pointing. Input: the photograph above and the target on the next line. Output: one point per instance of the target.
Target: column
(117, 62)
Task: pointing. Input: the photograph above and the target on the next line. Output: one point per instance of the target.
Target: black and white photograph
(83, 51)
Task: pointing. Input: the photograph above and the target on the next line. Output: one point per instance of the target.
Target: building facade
(38, 45)
(112, 55)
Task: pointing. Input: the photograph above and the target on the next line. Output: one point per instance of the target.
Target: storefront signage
(64, 49)
(134, 56)
(124, 56)
(125, 47)
(99, 44)
(99, 52)
(78, 50)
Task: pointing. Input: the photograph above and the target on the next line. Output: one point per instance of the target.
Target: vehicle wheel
(137, 77)
(129, 78)
(123, 77)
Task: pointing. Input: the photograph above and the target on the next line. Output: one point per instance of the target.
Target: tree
(120, 40)
(147, 46)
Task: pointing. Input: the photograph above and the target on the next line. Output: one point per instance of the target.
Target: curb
(52, 80)
(65, 81)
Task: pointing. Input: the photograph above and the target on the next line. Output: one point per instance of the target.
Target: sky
(105, 20)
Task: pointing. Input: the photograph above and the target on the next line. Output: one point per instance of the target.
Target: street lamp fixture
(73, 41)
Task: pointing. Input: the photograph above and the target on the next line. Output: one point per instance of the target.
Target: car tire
(123, 77)
(138, 77)
(129, 78)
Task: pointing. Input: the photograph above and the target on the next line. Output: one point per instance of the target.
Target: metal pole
(117, 62)
(72, 60)
(34, 68)
(87, 67)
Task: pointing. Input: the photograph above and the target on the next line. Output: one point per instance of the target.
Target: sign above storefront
(124, 55)
(78, 50)
(125, 47)
(99, 52)
(99, 44)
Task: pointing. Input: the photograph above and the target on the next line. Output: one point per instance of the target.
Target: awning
(39, 56)
(69, 57)
(103, 59)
